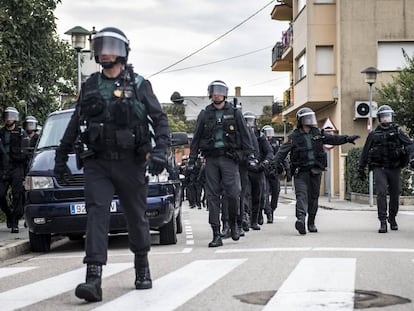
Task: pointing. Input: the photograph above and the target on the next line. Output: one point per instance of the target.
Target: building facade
(325, 48)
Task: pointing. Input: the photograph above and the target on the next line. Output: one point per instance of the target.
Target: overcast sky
(162, 32)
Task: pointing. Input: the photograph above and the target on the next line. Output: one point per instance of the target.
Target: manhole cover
(363, 299)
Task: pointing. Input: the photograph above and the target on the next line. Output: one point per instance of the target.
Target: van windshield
(53, 130)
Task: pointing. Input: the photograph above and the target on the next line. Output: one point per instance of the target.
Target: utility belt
(113, 155)
(228, 153)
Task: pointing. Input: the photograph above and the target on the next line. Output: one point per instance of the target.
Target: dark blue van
(57, 207)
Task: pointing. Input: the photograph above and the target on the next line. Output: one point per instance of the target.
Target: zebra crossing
(323, 283)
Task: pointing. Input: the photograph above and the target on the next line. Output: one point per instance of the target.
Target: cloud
(163, 32)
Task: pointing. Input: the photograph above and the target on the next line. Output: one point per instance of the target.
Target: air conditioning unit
(362, 110)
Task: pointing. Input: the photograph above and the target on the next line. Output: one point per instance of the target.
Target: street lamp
(370, 78)
(79, 35)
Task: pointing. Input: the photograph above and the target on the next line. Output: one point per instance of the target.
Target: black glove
(361, 173)
(190, 165)
(62, 171)
(352, 138)
(158, 160)
(264, 165)
(253, 164)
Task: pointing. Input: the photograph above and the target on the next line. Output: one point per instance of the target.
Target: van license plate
(80, 208)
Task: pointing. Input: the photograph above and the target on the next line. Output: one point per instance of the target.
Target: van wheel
(179, 222)
(168, 232)
(39, 242)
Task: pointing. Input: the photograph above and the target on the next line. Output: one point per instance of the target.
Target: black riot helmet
(10, 114)
(306, 116)
(385, 115)
(111, 41)
(30, 124)
(217, 87)
(250, 119)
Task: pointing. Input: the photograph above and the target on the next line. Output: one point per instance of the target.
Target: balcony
(282, 52)
(283, 11)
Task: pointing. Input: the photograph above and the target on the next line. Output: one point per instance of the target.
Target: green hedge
(354, 184)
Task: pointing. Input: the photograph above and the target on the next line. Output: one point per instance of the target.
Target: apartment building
(325, 48)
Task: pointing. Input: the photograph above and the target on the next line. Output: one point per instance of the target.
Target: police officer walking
(386, 150)
(13, 164)
(111, 117)
(308, 160)
(222, 136)
(30, 126)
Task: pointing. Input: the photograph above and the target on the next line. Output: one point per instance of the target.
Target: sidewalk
(15, 244)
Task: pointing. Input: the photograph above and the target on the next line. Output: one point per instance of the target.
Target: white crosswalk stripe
(10, 271)
(41, 290)
(180, 281)
(323, 284)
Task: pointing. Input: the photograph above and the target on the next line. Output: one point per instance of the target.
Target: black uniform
(118, 139)
(308, 160)
(223, 138)
(12, 169)
(386, 151)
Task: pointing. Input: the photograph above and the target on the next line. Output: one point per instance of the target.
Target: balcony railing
(282, 46)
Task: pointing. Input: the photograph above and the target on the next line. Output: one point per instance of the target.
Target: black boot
(225, 233)
(269, 216)
(216, 242)
(393, 223)
(142, 271)
(235, 233)
(311, 224)
(91, 290)
(383, 227)
(300, 226)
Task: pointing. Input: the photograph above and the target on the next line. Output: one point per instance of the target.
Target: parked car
(57, 207)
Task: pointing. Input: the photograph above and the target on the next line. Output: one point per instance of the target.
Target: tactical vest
(113, 116)
(299, 156)
(387, 149)
(227, 124)
(12, 143)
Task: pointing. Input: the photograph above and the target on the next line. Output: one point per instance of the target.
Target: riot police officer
(308, 161)
(30, 125)
(222, 136)
(13, 164)
(254, 180)
(387, 149)
(111, 118)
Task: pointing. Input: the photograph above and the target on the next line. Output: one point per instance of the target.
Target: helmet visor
(309, 119)
(108, 45)
(385, 117)
(217, 90)
(251, 122)
(11, 115)
(30, 126)
(269, 132)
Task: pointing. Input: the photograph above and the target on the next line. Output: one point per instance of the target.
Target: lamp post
(79, 35)
(370, 78)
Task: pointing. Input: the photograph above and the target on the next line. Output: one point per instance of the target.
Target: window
(301, 66)
(324, 60)
(301, 5)
(390, 55)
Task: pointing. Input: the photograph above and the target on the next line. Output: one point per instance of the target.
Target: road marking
(174, 289)
(317, 284)
(32, 293)
(315, 249)
(13, 270)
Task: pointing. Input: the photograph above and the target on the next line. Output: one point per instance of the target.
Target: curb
(14, 249)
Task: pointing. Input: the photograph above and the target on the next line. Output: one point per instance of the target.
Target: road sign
(329, 127)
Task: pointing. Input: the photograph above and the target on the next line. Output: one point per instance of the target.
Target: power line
(267, 81)
(219, 61)
(210, 43)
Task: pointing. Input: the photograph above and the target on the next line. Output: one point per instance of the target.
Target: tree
(399, 94)
(36, 66)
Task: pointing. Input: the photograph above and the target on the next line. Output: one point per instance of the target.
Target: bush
(354, 184)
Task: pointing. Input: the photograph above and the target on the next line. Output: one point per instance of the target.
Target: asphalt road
(347, 265)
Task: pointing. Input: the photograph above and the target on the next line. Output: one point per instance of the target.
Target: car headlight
(38, 182)
(162, 177)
